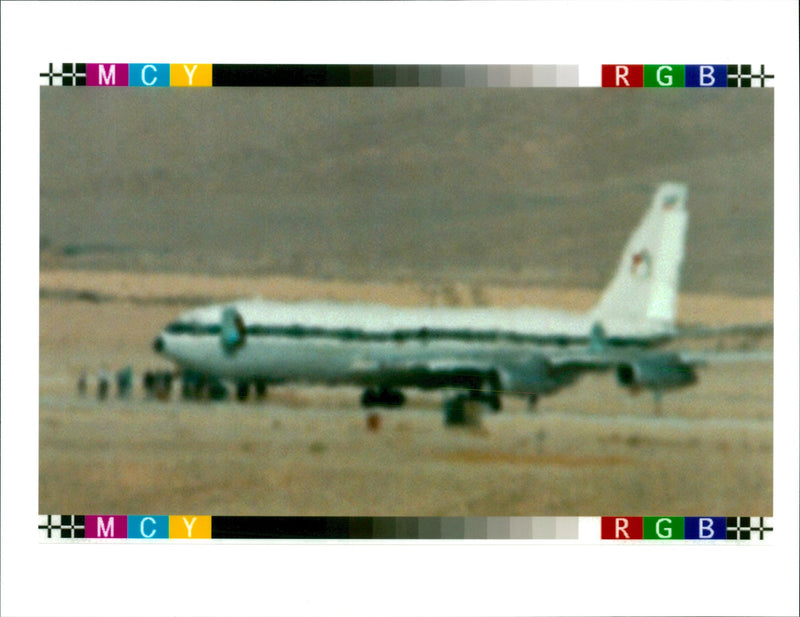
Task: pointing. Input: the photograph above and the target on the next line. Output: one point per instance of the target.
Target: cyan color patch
(148, 527)
(148, 75)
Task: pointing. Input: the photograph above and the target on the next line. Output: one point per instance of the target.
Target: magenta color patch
(107, 74)
(107, 527)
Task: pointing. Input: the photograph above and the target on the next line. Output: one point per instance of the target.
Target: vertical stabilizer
(644, 291)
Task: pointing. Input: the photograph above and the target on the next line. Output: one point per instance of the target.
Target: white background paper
(497, 578)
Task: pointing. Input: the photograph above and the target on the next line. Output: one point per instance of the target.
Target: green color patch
(662, 528)
(664, 76)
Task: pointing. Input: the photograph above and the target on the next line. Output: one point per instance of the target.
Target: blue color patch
(705, 528)
(148, 527)
(148, 75)
(706, 76)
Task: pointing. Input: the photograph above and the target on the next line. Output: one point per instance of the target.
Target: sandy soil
(709, 309)
(589, 450)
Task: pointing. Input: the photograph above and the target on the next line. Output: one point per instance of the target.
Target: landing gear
(463, 410)
(261, 388)
(243, 390)
(384, 397)
(533, 399)
(217, 391)
(490, 399)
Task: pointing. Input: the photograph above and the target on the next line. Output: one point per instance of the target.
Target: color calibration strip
(194, 527)
(685, 76)
(66, 527)
(159, 75)
(685, 528)
(309, 75)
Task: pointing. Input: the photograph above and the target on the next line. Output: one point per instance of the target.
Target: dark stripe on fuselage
(401, 336)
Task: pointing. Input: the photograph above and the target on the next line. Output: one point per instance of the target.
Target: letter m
(105, 531)
(107, 79)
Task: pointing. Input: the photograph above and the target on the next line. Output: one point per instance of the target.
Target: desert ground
(155, 202)
(589, 450)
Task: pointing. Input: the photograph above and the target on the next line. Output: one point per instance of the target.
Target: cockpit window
(192, 327)
(178, 327)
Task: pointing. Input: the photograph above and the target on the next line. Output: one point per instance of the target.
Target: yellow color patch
(190, 527)
(195, 75)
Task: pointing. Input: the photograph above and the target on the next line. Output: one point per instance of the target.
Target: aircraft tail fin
(644, 290)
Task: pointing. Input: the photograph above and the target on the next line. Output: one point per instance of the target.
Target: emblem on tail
(644, 290)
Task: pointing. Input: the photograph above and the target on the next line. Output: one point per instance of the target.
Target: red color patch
(621, 528)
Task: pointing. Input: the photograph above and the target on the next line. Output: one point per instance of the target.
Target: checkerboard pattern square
(745, 76)
(71, 74)
(59, 526)
(747, 527)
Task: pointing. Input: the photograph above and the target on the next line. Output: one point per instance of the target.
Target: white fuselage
(353, 343)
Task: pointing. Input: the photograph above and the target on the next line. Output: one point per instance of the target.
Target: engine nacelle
(659, 372)
(536, 375)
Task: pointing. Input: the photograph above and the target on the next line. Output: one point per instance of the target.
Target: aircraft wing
(548, 370)
(651, 370)
(466, 374)
(609, 358)
(755, 330)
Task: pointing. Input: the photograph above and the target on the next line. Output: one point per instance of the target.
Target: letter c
(148, 518)
(149, 83)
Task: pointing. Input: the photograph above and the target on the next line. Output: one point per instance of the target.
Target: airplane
(481, 353)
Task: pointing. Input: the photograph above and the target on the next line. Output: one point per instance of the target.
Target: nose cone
(158, 345)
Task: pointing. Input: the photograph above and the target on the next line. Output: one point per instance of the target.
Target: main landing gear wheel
(463, 410)
(243, 390)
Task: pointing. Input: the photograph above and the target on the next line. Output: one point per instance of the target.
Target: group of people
(156, 384)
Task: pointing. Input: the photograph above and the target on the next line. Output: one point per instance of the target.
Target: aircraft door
(233, 333)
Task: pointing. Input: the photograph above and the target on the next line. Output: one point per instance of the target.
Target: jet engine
(232, 333)
(535, 375)
(658, 372)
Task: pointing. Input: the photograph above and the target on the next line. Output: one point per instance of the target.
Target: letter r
(622, 76)
(621, 526)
